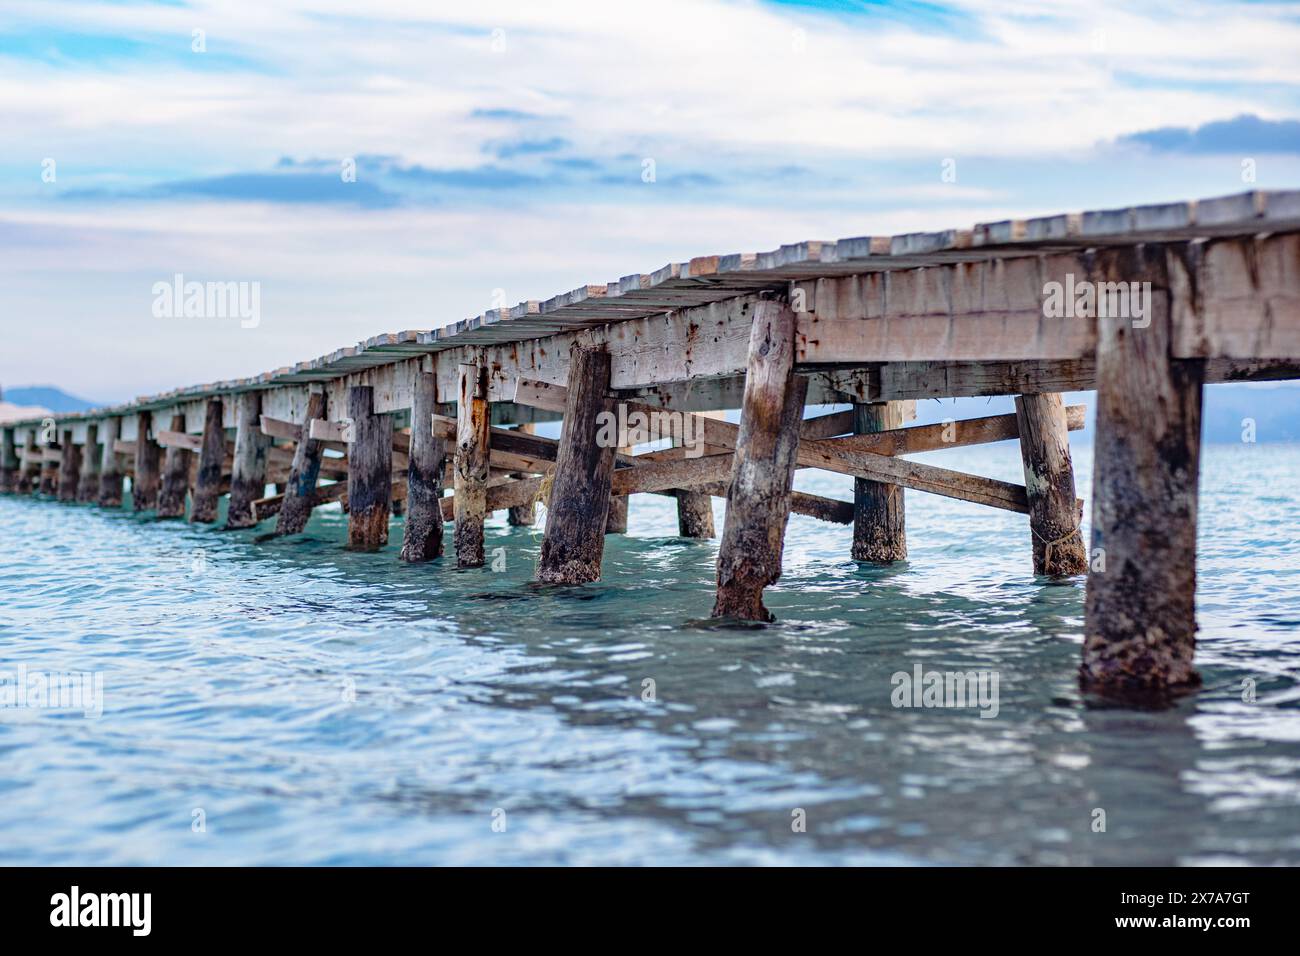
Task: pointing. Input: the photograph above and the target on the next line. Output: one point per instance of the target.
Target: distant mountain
(47, 396)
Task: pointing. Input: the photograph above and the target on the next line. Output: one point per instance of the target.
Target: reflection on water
(319, 706)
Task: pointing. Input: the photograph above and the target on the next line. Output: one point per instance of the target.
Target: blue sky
(501, 149)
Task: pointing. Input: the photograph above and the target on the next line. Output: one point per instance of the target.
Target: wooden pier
(1143, 304)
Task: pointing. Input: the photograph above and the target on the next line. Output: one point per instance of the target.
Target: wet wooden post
(879, 515)
(470, 477)
(300, 489)
(579, 503)
(370, 472)
(88, 484)
(1140, 617)
(422, 537)
(110, 472)
(48, 475)
(145, 482)
(616, 519)
(176, 476)
(767, 447)
(8, 461)
(29, 474)
(212, 461)
(248, 473)
(1049, 485)
(694, 514)
(523, 516)
(69, 467)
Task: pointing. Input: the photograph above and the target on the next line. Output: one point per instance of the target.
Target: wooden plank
(578, 507)
(1139, 625)
(753, 534)
(1049, 484)
(177, 438)
(834, 454)
(212, 453)
(422, 536)
(471, 464)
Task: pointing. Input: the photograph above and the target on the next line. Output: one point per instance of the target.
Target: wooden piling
(212, 458)
(110, 472)
(758, 502)
(148, 456)
(1049, 484)
(471, 461)
(578, 507)
(29, 472)
(879, 523)
(616, 519)
(370, 472)
(88, 483)
(69, 467)
(8, 462)
(176, 476)
(300, 489)
(422, 536)
(523, 516)
(694, 514)
(248, 474)
(1140, 627)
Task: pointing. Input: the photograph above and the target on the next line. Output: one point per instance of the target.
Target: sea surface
(293, 703)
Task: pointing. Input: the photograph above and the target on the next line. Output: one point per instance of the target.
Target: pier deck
(1143, 304)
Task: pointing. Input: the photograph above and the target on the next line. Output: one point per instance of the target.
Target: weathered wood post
(145, 481)
(110, 472)
(370, 471)
(616, 519)
(29, 474)
(1049, 485)
(523, 516)
(762, 474)
(212, 461)
(1140, 619)
(8, 461)
(176, 476)
(88, 484)
(694, 514)
(69, 467)
(879, 514)
(579, 503)
(248, 473)
(49, 471)
(300, 489)
(470, 477)
(422, 537)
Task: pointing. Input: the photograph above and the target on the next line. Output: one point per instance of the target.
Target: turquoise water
(290, 702)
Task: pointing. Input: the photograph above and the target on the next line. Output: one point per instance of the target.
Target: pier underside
(1142, 305)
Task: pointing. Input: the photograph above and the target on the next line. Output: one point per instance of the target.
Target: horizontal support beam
(827, 454)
